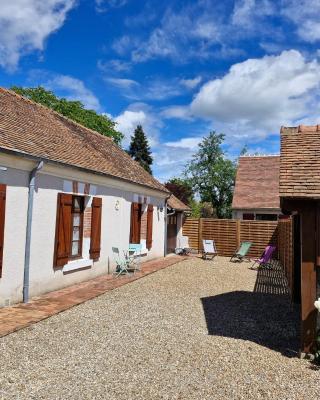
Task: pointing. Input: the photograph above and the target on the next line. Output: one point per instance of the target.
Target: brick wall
(143, 234)
(87, 222)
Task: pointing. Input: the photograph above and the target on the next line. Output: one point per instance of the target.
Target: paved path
(22, 315)
(196, 330)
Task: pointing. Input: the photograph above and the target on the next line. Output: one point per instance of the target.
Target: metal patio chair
(121, 263)
(209, 249)
(266, 258)
(241, 253)
(183, 246)
(134, 256)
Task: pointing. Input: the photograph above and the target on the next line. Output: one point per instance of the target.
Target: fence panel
(260, 233)
(228, 233)
(285, 245)
(223, 232)
(191, 229)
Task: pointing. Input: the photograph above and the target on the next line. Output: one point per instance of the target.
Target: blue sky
(180, 68)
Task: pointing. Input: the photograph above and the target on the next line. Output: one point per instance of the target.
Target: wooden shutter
(63, 230)
(149, 226)
(135, 226)
(95, 242)
(318, 236)
(2, 219)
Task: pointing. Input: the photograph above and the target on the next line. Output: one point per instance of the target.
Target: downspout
(32, 179)
(165, 226)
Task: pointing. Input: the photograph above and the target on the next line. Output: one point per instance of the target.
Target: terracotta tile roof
(176, 204)
(35, 130)
(257, 183)
(300, 162)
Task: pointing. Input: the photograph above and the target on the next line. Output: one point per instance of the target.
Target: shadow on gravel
(264, 316)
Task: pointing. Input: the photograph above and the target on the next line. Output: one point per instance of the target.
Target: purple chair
(265, 259)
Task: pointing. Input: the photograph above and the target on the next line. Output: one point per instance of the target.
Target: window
(248, 216)
(135, 226)
(69, 229)
(266, 217)
(76, 226)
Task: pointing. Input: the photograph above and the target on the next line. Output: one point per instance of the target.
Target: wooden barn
(300, 197)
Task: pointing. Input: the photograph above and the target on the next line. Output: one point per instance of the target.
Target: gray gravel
(196, 330)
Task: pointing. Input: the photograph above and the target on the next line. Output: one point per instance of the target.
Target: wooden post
(238, 222)
(200, 228)
(308, 278)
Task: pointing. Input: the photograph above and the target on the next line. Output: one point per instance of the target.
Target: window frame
(80, 213)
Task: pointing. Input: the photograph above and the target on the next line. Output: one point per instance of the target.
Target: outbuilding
(256, 192)
(300, 197)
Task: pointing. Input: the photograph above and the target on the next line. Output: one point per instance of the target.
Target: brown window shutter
(149, 226)
(63, 230)
(95, 242)
(135, 226)
(2, 219)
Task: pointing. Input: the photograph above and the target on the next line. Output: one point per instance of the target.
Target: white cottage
(67, 196)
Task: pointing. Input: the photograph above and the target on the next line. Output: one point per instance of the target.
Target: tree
(181, 188)
(212, 175)
(139, 149)
(72, 109)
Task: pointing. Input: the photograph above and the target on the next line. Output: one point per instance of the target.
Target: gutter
(26, 271)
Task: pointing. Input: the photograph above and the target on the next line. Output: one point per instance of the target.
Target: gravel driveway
(196, 330)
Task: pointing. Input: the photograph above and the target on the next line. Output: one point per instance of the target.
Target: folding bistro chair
(209, 249)
(121, 263)
(183, 248)
(240, 254)
(266, 259)
(134, 257)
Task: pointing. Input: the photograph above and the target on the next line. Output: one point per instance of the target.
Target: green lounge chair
(242, 252)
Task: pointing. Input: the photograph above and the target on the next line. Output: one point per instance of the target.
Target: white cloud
(65, 86)
(122, 83)
(185, 143)
(114, 65)
(26, 24)
(105, 5)
(139, 114)
(246, 12)
(128, 121)
(154, 89)
(169, 157)
(179, 36)
(305, 15)
(123, 44)
(191, 83)
(259, 95)
(178, 112)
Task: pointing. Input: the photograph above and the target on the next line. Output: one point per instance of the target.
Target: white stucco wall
(115, 226)
(238, 214)
(11, 281)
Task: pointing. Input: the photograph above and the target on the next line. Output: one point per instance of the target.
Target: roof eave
(61, 163)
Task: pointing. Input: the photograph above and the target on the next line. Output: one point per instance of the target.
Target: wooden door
(172, 233)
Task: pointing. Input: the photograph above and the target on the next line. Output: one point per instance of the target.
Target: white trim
(77, 264)
(71, 173)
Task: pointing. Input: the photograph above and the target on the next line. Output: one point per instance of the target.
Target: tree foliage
(212, 175)
(72, 109)
(181, 188)
(140, 150)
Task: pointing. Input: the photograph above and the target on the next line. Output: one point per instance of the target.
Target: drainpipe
(165, 227)
(32, 179)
